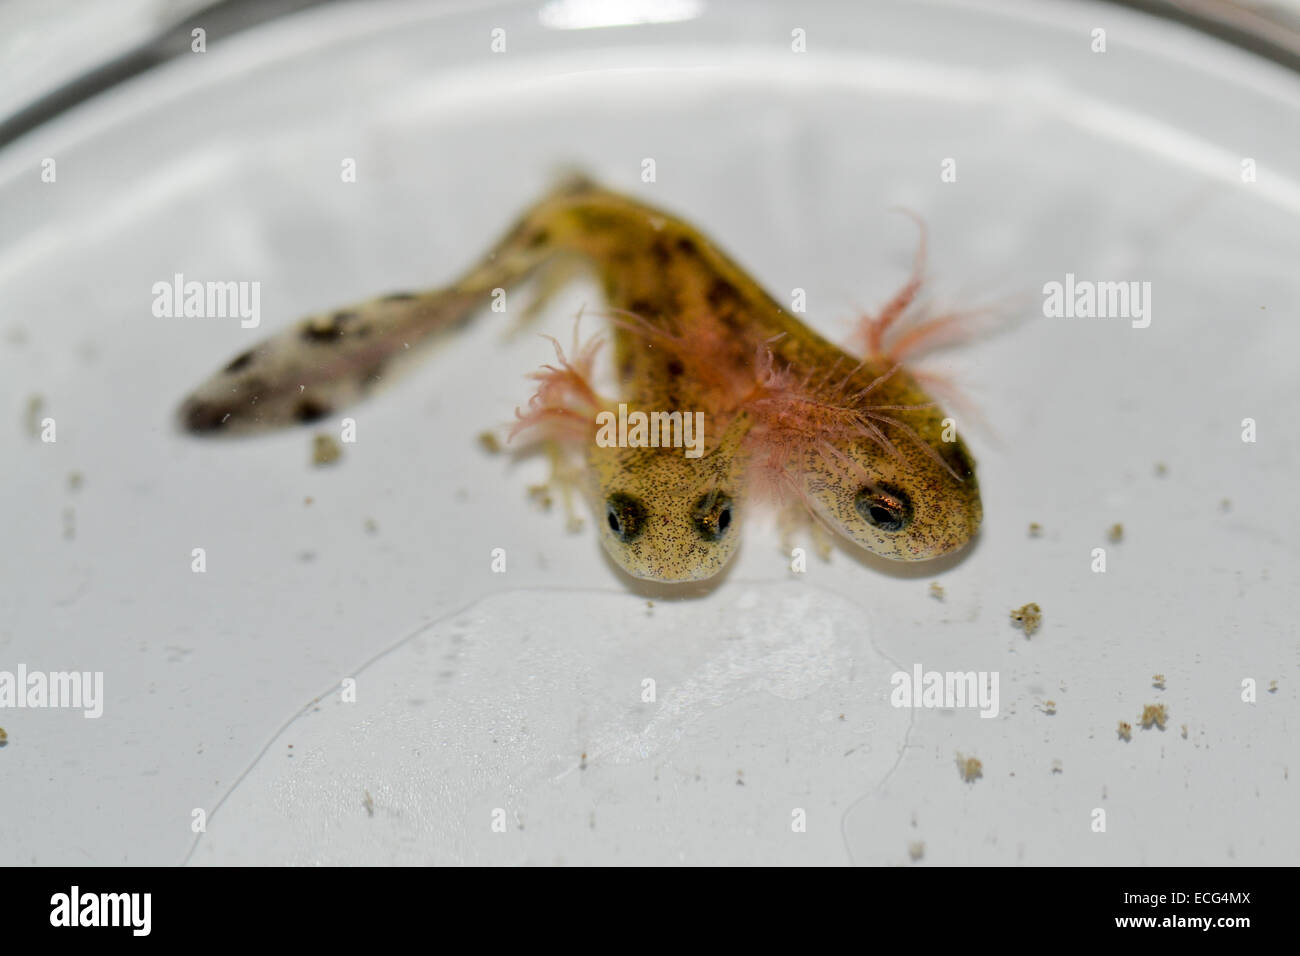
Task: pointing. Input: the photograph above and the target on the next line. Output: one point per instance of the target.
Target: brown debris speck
(1028, 617)
(325, 450)
(1125, 730)
(970, 768)
(35, 405)
(1154, 715)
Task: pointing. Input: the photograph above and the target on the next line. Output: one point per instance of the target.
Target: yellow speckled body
(786, 412)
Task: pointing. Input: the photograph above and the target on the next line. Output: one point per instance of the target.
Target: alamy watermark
(947, 690)
(81, 690)
(130, 910)
(1085, 299)
(208, 300)
(651, 430)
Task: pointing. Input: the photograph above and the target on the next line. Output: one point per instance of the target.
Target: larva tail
(321, 364)
(328, 361)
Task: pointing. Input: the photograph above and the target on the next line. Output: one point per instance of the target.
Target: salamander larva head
(665, 517)
(912, 507)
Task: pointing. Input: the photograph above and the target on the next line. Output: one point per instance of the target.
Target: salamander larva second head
(912, 504)
(663, 516)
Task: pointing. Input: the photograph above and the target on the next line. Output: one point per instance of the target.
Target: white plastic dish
(523, 692)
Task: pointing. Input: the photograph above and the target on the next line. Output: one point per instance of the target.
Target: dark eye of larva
(885, 508)
(625, 515)
(712, 515)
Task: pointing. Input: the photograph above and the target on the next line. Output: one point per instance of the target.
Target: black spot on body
(539, 238)
(200, 416)
(730, 321)
(239, 362)
(399, 297)
(722, 294)
(958, 459)
(643, 307)
(660, 252)
(686, 246)
(674, 368)
(311, 410)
